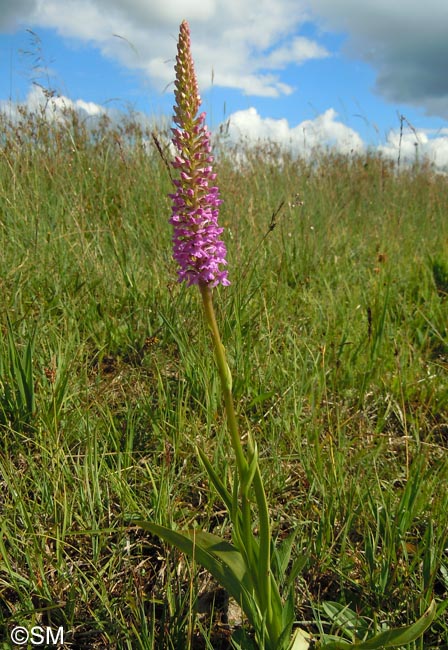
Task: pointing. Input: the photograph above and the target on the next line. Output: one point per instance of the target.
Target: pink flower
(197, 248)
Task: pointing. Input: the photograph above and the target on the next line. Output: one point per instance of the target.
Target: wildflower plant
(197, 248)
(251, 568)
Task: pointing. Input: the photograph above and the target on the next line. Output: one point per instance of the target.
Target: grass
(336, 331)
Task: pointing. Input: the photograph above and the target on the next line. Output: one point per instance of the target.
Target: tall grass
(336, 330)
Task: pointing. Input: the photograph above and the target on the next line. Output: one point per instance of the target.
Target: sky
(302, 73)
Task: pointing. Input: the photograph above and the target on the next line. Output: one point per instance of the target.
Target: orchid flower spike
(197, 247)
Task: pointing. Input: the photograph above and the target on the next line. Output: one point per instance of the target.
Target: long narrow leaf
(390, 638)
(403, 635)
(220, 558)
(346, 619)
(248, 477)
(215, 479)
(287, 622)
(281, 555)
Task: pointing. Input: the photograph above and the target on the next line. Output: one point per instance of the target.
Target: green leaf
(403, 635)
(215, 479)
(248, 476)
(281, 554)
(336, 645)
(18, 401)
(262, 397)
(443, 574)
(390, 638)
(296, 568)
(345, 618)
(241, 641)
(288, 617)
(221, 559)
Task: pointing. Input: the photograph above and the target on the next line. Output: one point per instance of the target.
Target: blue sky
(304, 73)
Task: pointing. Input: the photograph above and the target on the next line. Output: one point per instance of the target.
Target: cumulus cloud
(247, 127)
(413, 146)
(56, 108)
(325, 131)
(406, 43)
(297, 50)
(236, 42)
(246, 45)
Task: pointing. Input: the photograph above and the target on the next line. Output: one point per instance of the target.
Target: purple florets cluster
(197, 247)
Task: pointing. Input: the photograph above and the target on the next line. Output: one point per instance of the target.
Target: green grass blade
(346, 619)
(401, 636)
(390, 638)
(220, 558)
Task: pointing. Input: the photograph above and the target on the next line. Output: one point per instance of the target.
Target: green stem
(226, 380)
(226, 383)
(261, 570)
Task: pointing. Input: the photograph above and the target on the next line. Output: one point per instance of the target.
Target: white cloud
(298, 50)
(325, 131)
(247, 127)
(58, 107)
(239, 41)
(417, 145)
(248, 44)
(54, 108)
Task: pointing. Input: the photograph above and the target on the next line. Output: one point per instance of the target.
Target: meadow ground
(336, 328)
